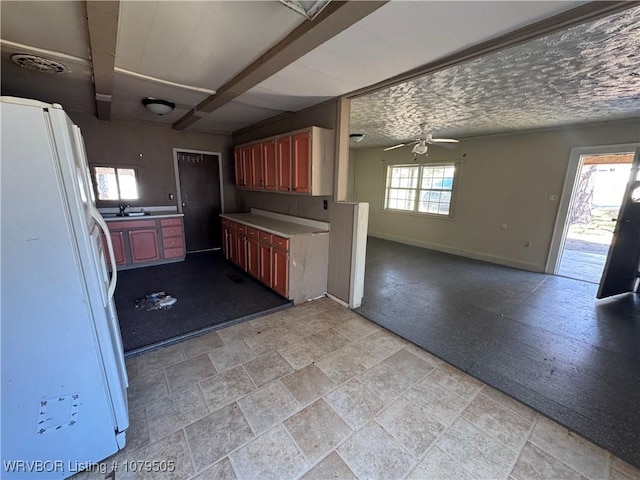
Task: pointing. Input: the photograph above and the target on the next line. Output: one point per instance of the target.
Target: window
(420, 188)
(116, 183)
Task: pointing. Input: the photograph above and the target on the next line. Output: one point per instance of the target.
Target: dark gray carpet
(544, 340)
(210, 291)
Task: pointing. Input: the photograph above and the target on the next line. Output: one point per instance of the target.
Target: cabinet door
(245, 153)
(302, 163)
(265, 264)
(117, 240)
(144, 245)
(270, 165)
(283, 160)
(237, 156)
(253, 257)
(232, 245)
(241, 252)
(257, 179)
(280, 271)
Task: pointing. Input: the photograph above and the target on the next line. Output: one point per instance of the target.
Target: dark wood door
(622, 268)
(270, 165)
(302, 163)
(144, 245)
(201, 204)
(283, 159)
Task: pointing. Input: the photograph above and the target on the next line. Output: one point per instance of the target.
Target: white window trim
(415, 212)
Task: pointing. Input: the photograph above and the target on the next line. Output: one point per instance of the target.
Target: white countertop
(276, 226)
(151, 215)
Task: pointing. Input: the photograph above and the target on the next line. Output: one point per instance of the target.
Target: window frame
(454, 189)
(94, 182)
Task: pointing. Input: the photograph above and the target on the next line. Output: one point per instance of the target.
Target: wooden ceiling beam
(102, 21)
(336, 17)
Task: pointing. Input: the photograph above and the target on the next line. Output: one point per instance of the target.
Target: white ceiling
(183, 50)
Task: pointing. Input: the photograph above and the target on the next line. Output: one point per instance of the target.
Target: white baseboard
(337, 300)
(509, 262)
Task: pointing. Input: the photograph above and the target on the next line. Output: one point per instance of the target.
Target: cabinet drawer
(265, 237)
(173, 252)
(131, 224)
(252, 232)
(281, 242)
(171, 232)
(241, 228)
(171, 222)
(172, 242)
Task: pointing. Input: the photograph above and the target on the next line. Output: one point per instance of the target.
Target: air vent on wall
(41, 64)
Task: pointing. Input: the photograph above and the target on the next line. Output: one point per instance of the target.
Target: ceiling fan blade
(445, 145)
(444, 140)
(394, 147)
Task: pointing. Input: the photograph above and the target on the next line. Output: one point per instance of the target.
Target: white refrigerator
(63, 377)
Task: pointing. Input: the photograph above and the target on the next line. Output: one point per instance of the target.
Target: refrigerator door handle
(112, 258)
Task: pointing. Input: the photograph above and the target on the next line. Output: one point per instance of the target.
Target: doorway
(199, 187)
(599, 188)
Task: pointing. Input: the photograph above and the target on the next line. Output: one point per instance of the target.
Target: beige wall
(503, 179)
(120, 142)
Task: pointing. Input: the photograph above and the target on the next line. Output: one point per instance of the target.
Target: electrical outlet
(527, 244)
(503, 226)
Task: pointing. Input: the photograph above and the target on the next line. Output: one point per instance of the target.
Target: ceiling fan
(420, 145)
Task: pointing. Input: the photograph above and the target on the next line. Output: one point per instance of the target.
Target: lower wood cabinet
(253, 257)
(280, 271)
(139, 243)
(265, 254)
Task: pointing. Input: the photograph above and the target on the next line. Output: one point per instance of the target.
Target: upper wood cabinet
(299, 162)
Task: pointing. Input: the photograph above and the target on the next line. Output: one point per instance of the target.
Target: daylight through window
(116, 183)
(420, 188)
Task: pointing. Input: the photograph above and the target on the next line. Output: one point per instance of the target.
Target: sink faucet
(123, 207)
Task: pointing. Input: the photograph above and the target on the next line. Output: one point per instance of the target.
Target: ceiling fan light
(420, 149)
(356, 137)
(158, 106)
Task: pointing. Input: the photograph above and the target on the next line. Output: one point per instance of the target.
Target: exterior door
(201, 204)
(622, 269)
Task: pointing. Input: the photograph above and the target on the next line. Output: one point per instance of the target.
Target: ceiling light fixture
(356, 137)
(158, 106)
(40, 64)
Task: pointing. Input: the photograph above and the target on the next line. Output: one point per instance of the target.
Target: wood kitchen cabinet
(144, 245)
(117, 240)
(299, 162)
(265, 252)
(280, 271)
(253, 257)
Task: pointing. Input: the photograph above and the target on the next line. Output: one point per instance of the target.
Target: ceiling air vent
(41, 64)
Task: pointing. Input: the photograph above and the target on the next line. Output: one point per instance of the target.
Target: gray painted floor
(544, 340)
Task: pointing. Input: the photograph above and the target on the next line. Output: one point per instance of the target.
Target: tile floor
(318, 392)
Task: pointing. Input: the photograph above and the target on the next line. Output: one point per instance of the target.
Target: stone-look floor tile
(202, 344)
(615, 474)
(354, 403)
(411, 426)
(132, 367)
(455, 380)
(272, 456)
(340, 366)
(237, 332)
(356, 328)
(373, 453)
(476, 451)
(267, 368)
(625, 468)
(409, 365)
(308, 384)
(317, 429)
(302, 353)
(329, 340)
(226, 387)
(369, 353)
(437, 465)
(331, 467)
(388, 340)
(267, 406)
(422, 354)
(216, 435)
(268, 322)
(510, 403)
(190, 371)
(571, 449)
(158, 359)
(442, 404)
(174, 411)
(171, 450)
(498, 421)
(319, 322)
(231, 355)
(301, 329)
(138, 431)
(219, 471)
(271, 340)
(536, 464)
(145, 388)
(387, 384)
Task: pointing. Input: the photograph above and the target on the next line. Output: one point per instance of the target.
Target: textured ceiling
(588, 73)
